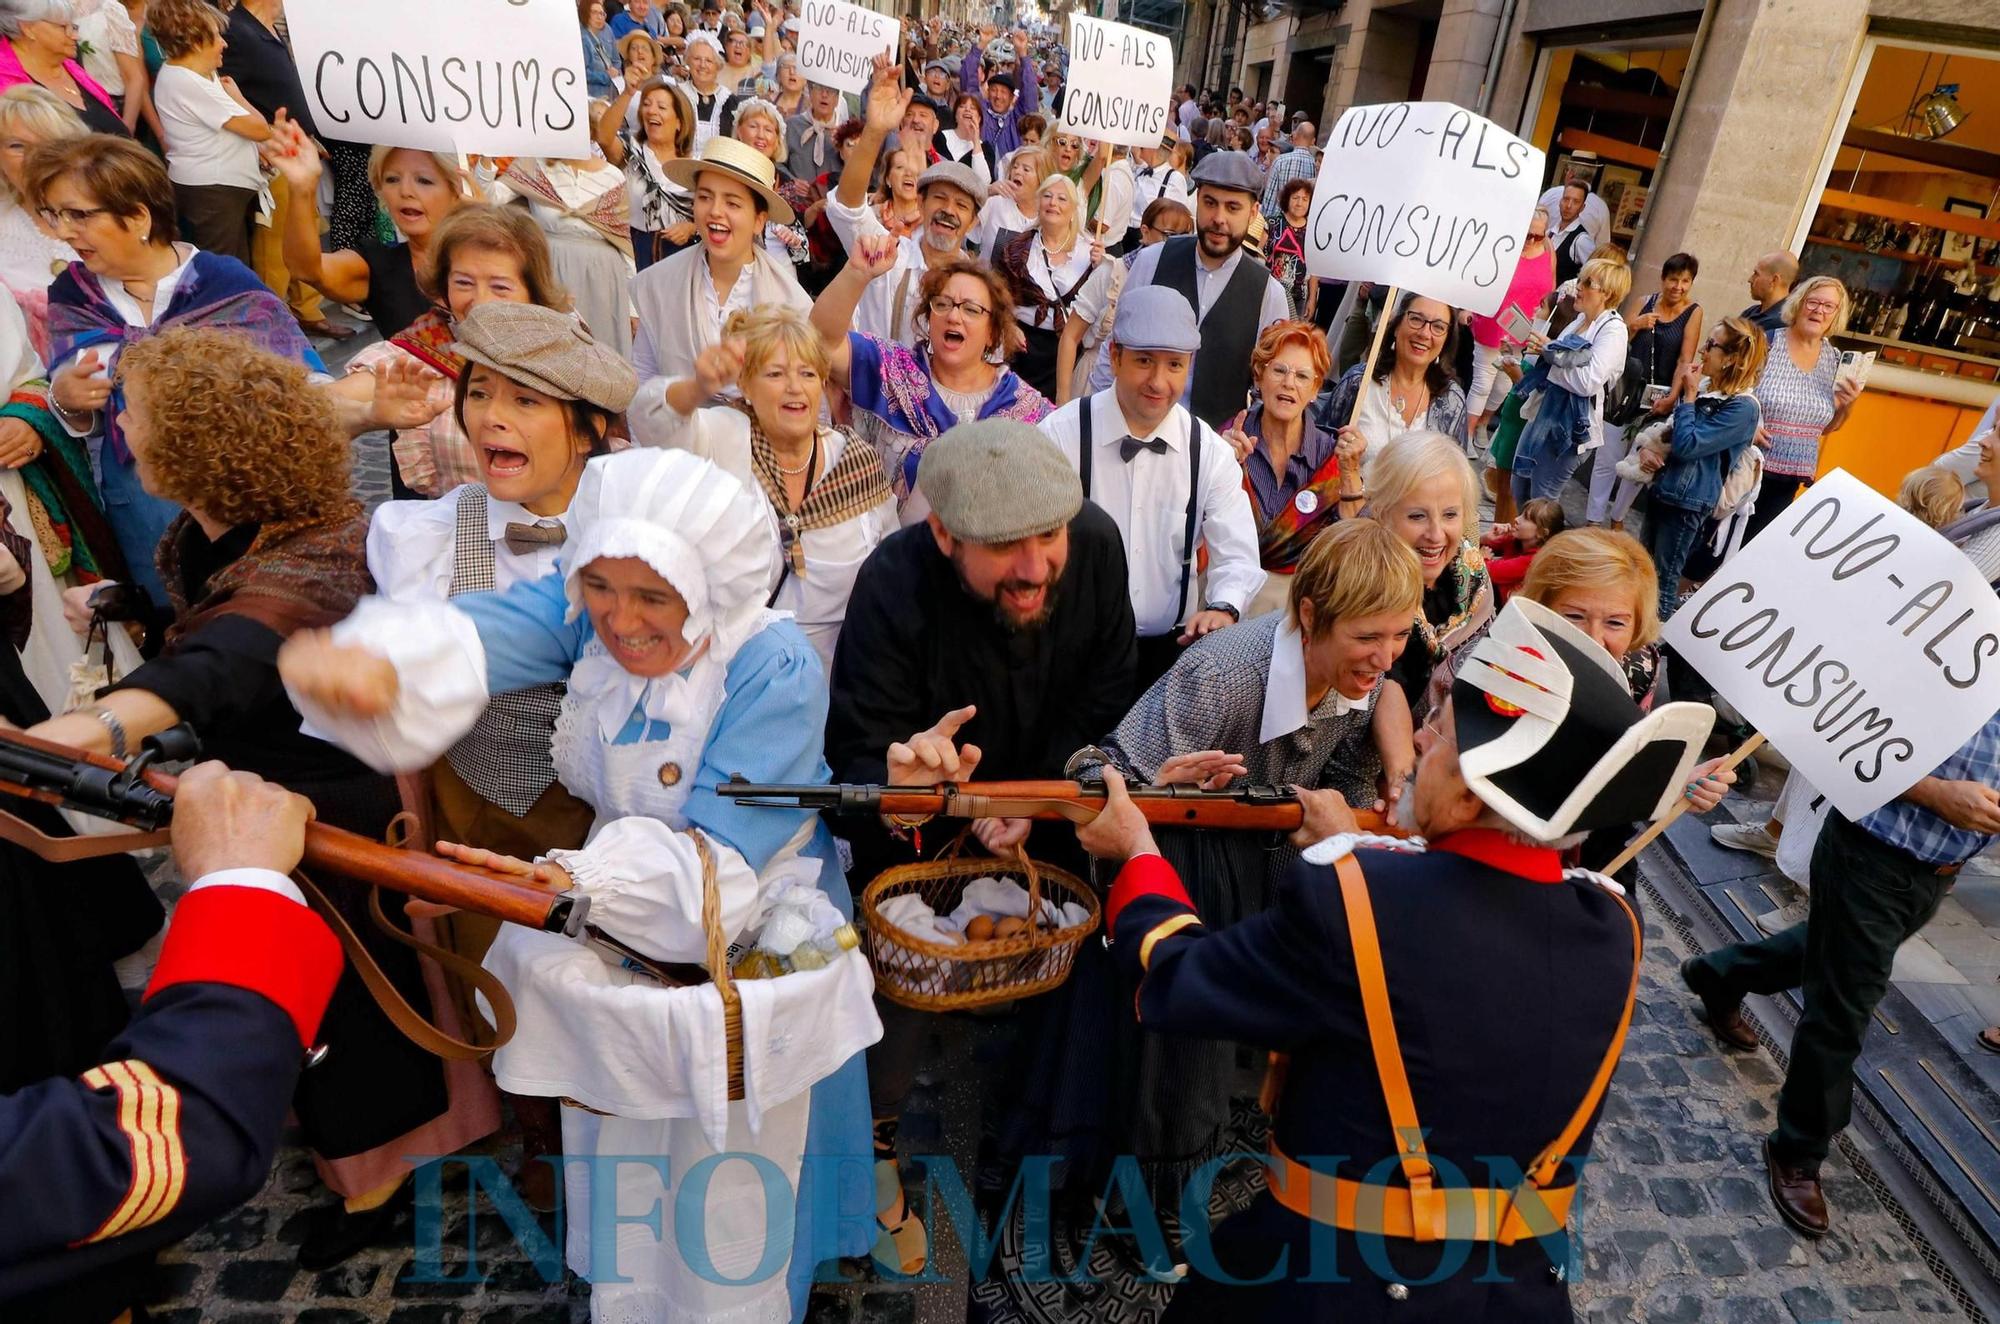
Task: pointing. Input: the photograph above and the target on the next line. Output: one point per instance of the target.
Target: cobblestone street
(1677, 1228)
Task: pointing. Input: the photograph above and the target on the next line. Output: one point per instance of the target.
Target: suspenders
(1085, 456)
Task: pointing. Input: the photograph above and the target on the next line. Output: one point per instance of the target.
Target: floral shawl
(891, 384)
(214, 291)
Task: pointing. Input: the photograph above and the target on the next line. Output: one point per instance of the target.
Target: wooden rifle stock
(330, 849)
(1248, 809)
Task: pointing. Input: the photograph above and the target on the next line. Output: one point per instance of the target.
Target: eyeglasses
(1437, 326)
(1821, 305)
(74, 217)
(1303, 376)
(1588, 283)
(1434, 725)
(1716, 342)
(971, 308)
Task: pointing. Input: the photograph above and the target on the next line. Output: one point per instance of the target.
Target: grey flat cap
(957, 174)
(547, 351)
(1230, 170)
(998, 480)
(943, 66)
(1155, 317)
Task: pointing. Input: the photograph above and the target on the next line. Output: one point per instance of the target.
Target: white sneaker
(1774, 922)
(1746, 837)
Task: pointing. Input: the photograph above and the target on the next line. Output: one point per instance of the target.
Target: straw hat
(741, 162)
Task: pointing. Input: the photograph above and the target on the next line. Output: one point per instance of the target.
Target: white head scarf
(700, 529)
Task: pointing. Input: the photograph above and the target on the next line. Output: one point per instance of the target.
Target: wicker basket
(931, 976)
(718, 966)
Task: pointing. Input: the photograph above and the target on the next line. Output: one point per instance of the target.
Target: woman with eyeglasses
(1413, 388)
(905, 398)
(110, 199)
(823, 486)
(1802, 393)
(38, 45)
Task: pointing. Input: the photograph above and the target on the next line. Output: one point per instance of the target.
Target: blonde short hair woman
(825, 489)
(1421, 488)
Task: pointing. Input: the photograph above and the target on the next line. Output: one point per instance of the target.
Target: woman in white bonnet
(678, 677)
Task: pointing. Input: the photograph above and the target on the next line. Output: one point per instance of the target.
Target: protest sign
(1865, 646)
(496, 77)
(1120, 83)
(1423, 195)
(838, 43)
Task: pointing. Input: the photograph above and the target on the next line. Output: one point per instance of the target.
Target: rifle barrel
(39, 769)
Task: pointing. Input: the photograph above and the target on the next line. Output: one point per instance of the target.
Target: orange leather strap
(1474, 1213)
(1424, 1212)
(1426, 1209)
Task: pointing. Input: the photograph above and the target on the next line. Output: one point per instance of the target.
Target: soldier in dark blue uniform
(1448, 1020)
(180, 1121)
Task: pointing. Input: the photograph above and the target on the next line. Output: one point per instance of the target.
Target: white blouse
(1054, 277)
(412, 547)
(816, 599)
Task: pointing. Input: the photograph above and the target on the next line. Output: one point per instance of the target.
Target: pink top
(1534, 278)
(13, 74)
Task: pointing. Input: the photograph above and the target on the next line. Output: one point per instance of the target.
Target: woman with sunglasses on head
(1570, 375)
(1413, 387)
(905, 398)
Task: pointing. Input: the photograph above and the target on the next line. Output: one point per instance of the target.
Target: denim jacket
(1710, 434)
(1563, 423)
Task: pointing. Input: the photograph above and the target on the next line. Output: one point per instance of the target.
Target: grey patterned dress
(1168, 1098)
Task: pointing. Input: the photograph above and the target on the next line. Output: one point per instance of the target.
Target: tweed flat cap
(548, 351)
(997, 480)
(1155, 317)
(957, 174)
(1230, 170)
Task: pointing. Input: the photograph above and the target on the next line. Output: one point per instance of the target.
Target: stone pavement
(1676, 1226)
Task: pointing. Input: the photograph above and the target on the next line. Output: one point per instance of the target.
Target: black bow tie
(1131, 446)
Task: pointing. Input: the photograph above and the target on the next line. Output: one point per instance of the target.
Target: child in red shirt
(1509, 551)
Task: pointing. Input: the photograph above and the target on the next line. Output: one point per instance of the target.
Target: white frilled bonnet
(703, 531)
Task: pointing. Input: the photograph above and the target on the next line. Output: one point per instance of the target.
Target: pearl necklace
(811, 455)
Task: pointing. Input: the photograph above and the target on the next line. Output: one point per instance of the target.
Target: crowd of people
(797, 436)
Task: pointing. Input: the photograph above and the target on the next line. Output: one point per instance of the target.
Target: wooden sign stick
(1681, 806)
(1374, 348)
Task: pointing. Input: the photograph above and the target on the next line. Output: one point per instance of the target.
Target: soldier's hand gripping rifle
(137, 794)
(1246, 808)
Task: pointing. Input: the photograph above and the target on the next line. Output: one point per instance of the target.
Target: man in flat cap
(1002, 622)
(1234, 296)
(1476, 989)
(1171, 483)
(949, 192)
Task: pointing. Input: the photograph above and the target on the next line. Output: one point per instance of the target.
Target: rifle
(139, 795)
(1246, 808)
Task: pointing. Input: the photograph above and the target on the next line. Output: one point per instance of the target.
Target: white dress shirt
(1148, 497)
(412, 547)
(264, 880)
(1208, 287)
(1117, 207)
(888, 307)
(1285, 688)
(1151, 183)
(1596, 217)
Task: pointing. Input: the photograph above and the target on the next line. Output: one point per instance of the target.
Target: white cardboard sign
(1862, 644)
(495, 77)
(838, 43)
(1426, 196)
(1120, 83)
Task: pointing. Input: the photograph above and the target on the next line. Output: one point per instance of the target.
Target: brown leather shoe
(1722, 1014)
(1797, 1195)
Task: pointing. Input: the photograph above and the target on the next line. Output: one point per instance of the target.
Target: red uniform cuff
(1143, 875)
(249, 938)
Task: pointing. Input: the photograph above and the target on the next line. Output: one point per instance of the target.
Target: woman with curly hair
(269, 542)
(905, 398)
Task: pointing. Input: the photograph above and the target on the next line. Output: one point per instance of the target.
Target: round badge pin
(1306, 502)
(670, 774)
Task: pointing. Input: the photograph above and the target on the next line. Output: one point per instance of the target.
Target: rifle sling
(66, 850)
(401, 1014)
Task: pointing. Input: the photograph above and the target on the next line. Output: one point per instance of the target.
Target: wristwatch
(1233, 614)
